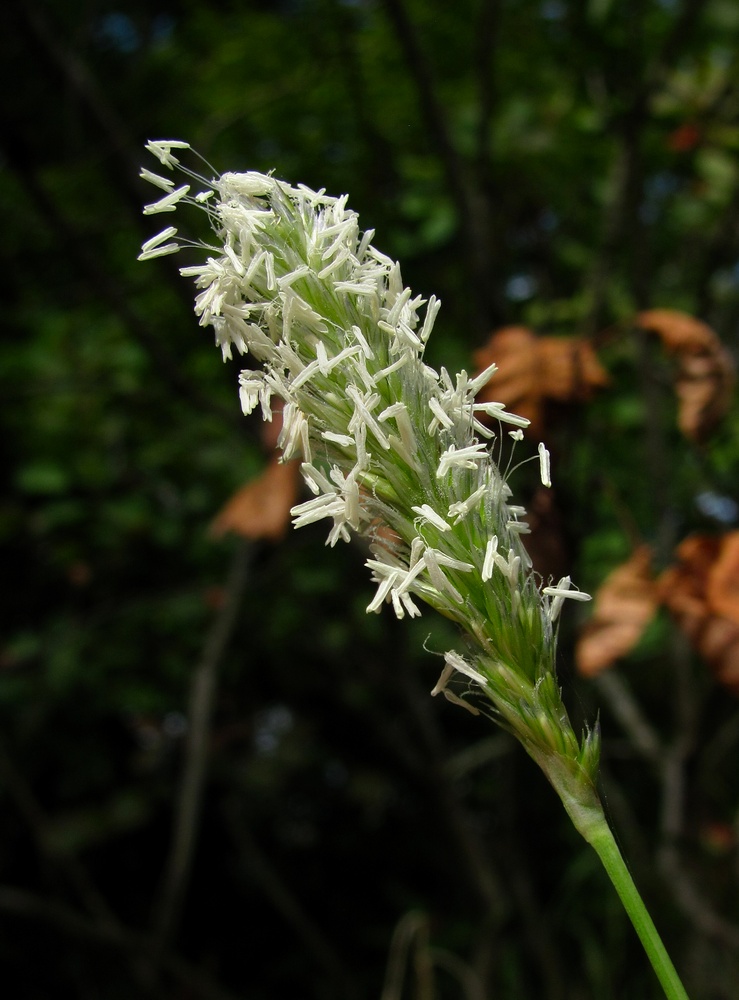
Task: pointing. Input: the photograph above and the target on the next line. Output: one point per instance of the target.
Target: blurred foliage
(555, 164)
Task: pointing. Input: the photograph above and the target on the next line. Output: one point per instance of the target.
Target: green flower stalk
(386, 442)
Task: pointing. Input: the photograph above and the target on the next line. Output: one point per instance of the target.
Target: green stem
(603, 842)
(584, 807)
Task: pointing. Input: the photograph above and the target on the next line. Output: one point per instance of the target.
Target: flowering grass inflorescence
(389, 447)
(396, 451)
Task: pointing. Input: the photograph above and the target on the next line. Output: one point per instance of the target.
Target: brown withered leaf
(704, 382)
(625, 603)
(533, 371)
(700, 591)
(723, 580)
(261, 508)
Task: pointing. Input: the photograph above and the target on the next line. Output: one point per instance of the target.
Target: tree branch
(472, 206)
(485, 43)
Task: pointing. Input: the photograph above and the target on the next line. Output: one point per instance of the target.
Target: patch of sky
(725, 282)
(548, 220)
(161, 29)
(717, 506)
(657, 188)
(520, 287)
(174, 725)
(553, 10)
(116, 30)
(269, 728)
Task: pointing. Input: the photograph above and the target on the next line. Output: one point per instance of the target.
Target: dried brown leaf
(723, 580)
(700, 591)
(261, 508)
(704, 381)
(625, 603)
(533, 371)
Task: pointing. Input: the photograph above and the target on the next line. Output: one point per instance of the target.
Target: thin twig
(620, 214)
(462, 972)
(628, 713)
(522, 887)
(429, 104)
(51, 55)
(483, 877)
(39, 824)
(472, 205)
(668, 761)
(284, 901)
(693, 903)
(380, 154)
(70, 922)
(72, 68)
(411, 936)
(202, 695)
(485, 43)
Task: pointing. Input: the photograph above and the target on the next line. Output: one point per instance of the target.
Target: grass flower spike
(390, 448)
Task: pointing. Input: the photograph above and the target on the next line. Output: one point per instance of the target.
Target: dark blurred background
(219, 777)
